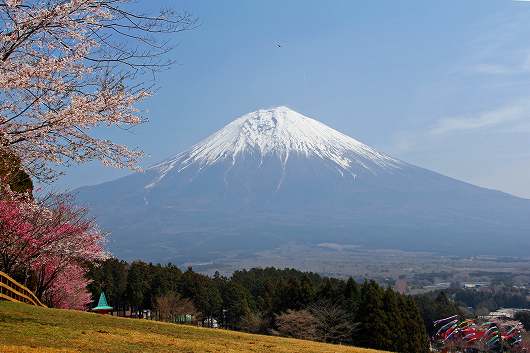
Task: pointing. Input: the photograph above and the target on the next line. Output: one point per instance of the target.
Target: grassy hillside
(25, 329)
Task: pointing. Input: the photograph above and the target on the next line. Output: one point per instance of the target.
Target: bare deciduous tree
(297, 324)
(171, 305)
(254, 323)
(332, 323)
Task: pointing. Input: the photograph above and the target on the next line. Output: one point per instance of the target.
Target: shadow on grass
(20, 320)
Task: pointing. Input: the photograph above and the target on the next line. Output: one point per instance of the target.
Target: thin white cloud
(517, 66)
(493, 69)
(522, 127)
(502, 116)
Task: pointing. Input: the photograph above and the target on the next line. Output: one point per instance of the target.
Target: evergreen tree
(396, 321)
(203, 292)
(432, 309)
(417, 333)
(373, 325)
(110, 277)
(351, 296)
(332, 291)
(307, 291)
(236, 304)
(164, 280)
(12, 173)
(138, 280)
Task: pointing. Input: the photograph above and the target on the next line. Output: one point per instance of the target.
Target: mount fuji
(274, 176)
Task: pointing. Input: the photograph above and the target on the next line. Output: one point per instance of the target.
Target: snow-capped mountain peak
(274, 182)
(279, 132)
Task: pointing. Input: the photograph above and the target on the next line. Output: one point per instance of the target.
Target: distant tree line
(284, 302)
(491, 299)
(469, 302)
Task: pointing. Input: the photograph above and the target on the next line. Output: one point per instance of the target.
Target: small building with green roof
(102, 307)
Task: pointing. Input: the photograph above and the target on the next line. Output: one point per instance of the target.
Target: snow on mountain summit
(279, 132)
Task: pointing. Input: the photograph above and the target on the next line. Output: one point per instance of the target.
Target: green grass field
(25, 328)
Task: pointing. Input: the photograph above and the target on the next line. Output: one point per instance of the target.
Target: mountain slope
(274, 176)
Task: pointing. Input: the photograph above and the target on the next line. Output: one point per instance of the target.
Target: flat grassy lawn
(28, 329)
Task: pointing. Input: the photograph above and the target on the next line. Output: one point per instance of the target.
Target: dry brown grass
(26, 349)
(28, 329)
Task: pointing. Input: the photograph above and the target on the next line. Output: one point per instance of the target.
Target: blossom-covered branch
(69, 66)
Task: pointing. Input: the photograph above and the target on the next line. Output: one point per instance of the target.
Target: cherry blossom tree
(47, 244)
(69, 66)
(69, 290)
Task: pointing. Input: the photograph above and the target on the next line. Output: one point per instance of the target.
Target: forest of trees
(498, 297)
(469, 302)
(270, 301)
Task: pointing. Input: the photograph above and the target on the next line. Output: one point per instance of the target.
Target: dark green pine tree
(307, 291)
(331, 291)
(396, 322)
(435, 308)
(138, 288)
(283, 296)
(12, 173)
(266, 305)
(325, 292)
(295, 298)
(416, 333)
(351, 296)
(203, 292)
(373, 325)
(164, 279)
(236, 305)
(110, 277)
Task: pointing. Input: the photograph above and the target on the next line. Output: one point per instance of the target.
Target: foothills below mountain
(275, 177)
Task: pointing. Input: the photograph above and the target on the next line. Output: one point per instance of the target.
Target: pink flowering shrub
(47, 244)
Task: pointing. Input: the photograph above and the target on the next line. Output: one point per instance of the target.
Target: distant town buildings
(476, 285)
(437, 286)
(507, 313)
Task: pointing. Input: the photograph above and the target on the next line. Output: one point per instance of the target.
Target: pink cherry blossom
(69, 66)
(69, 290)
(47, 244)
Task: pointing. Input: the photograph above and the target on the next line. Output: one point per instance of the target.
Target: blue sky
(441, 84)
